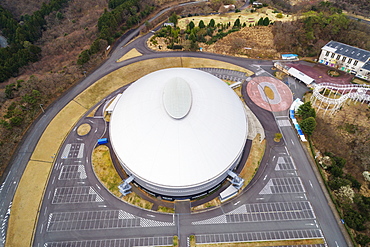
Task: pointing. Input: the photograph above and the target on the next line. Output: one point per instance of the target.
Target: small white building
(300, 76)
(346, 58)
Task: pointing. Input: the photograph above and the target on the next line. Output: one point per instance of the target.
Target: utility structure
(331, 97)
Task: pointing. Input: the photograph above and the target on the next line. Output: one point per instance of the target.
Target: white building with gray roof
(346, 58)
(178, 132)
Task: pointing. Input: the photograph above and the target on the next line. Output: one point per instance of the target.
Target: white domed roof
(178, 127)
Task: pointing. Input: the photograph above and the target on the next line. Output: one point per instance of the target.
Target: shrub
(354, 219)
(337, 182)
(355, 184)
(362, 239)
(279, 15)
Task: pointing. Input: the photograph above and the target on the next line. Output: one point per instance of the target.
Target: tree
(306, 111)
(260, 22)
(266, 21)
(191, 25)
(201, 24)
(9, 94)
(354, 219)
(211, 23)
(362, 239)
(84, 57)
(308, 125)
(237, 23)
(173, 18)
(336, 171)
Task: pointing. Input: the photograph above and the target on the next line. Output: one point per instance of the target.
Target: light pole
(42, 108)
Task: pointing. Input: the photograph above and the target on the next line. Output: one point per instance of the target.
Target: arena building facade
(178, 132)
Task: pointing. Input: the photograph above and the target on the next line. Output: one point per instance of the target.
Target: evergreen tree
(174, 18)
(266, 21)
(191, 25)
(237, 23)
(308, 125)
(201, 24)
(211, 23)
(260, 22)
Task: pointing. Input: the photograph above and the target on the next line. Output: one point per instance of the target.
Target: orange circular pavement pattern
(281, 98)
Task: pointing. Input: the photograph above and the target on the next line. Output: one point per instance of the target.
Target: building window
(343, 59)
(338, 57)
(349, 61)
(327, 53)
(332, 55)
(355, 62)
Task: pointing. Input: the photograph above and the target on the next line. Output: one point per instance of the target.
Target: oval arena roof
(178, 127)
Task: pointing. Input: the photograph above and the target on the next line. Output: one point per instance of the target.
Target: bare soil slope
(252, 42)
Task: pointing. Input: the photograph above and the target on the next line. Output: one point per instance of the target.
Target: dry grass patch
(131, 54)
(259, 40)
(26, 204)
(280, 75)
(214, 203)
(136, 200)
(83, 129)
(266, 243)
(122, 77)
(132, 72)
(104, 169)
(92, 113)
(238, 91)
(255, 156)
(269, 93)
(244, 16)
(56, 131)
(107, 117)
(108, 176)
(166, 210)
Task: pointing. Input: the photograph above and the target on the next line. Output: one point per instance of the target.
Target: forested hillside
(360, 7)
(306, 35)
(50, 40)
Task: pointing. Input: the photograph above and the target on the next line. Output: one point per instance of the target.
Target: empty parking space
(73, 151)
(283, 186)
(69, 172)
(126, 242)
(285, 163)
(83, 194)
(258, 236)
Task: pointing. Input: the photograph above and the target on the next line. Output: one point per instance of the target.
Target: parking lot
(262, 212)
(258, 236)
(123, 242)
(283, 186)
(100, 219)
(72, 172)
(224, 74)
(81, 194)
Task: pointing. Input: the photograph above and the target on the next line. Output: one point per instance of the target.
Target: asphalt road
(284, 200)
